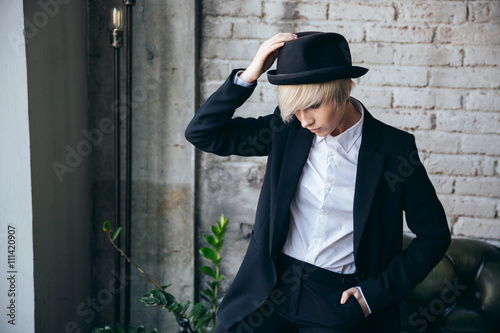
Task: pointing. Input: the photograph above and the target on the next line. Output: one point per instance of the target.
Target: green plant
(199, 315)
(216, 241)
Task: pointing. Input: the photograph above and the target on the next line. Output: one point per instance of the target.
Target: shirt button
(328, 189)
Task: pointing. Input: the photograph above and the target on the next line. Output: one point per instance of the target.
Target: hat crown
(311, 51)
(314, 57)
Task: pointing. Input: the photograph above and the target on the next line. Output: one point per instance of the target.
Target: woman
(325, 253)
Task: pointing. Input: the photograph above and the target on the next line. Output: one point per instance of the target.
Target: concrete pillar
(164, 100)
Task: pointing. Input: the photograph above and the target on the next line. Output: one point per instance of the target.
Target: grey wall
(57, 85)
(16, 218)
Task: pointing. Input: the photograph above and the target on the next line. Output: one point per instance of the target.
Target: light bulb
(116, 18)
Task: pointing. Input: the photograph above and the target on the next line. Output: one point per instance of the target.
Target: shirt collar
(348, 138)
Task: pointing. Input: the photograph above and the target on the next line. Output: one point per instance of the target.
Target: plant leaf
(208, 253)
(159, 296)
(129, 329)
(106, 227)
(202, 322)
(208, 271)
(119, 328)
(223, 221)
(211, 240)
(216, 231)
(117, 232)
(208, 293)
(141, 330)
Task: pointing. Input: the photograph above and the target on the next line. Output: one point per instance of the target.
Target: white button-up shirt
(321, 219)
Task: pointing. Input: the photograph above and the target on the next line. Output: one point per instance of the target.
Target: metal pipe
(128, 159)
(117, 181)
(117, 42)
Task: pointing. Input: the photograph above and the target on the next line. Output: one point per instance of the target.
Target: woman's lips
(315, 130)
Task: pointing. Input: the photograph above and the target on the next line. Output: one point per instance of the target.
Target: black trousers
(306, 299)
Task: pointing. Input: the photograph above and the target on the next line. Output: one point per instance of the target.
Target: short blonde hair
(292, 98)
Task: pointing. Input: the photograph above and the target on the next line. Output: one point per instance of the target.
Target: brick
(465, 77)
(216, 28)
(478, 228)
(214, 70)
(469, 206)
(414, 98)
(232, 8)
(396, 76)
(278, 11)
(373, 97)
(448, 99)
(468, 122)
(255, 108)
(480, 186)
(488, 144)
(458, 165)
(427, 55)
(469, 34)
(405, 34)
(353, 33)
(230, 49)
(442, 184)
(207, 89)
(260, 30)
(482, 56)
(371, 54)
(438, 142)
(429, 12)
(427, 98)
(484, 11)
(340, 11)
(267, 93)
(405, 120)
(482, 100)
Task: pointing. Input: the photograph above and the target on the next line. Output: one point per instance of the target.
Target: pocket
(356, 309)
(351, 313)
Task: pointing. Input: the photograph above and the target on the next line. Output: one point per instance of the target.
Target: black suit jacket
(390, 181)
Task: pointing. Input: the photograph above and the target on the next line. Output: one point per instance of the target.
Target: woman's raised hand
(265, 57)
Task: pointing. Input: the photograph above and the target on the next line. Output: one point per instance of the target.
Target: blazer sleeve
(213, 128)
(426, 218)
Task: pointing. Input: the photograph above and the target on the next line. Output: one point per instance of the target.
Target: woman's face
(323, 119)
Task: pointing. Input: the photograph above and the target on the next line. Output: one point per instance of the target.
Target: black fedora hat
(312, 58)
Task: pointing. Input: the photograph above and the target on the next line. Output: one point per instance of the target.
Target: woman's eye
(315, 106)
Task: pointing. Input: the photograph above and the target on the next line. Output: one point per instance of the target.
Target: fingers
(348, 293)
(265, 56)
(277, 41)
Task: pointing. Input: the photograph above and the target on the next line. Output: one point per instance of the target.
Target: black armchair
(461, 294)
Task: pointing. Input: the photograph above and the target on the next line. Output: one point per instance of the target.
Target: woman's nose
(304, 119)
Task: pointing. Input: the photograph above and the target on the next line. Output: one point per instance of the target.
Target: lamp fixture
(116, 24)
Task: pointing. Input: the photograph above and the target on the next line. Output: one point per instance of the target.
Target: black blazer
(390, 180)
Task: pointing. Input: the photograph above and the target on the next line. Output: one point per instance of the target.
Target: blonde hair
(292, 98)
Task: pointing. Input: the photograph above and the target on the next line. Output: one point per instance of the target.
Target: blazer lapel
(295, 156)
(369, 172)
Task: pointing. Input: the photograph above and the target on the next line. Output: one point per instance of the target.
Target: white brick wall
(434, 71)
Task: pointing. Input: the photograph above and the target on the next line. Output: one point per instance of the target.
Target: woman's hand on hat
(265, 57)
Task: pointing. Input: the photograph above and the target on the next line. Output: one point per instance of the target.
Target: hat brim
(316, 76)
